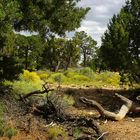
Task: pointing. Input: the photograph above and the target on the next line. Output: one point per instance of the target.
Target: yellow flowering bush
(29, 82)
(30, 76)
(44, 76)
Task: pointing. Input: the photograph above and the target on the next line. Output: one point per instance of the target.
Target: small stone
(105, 121)
(133, 120)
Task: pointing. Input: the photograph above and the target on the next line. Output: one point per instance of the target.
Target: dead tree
(128, 106)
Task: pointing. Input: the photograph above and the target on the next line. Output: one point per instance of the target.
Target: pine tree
(86, 45)
(45, 17)
(120, 44)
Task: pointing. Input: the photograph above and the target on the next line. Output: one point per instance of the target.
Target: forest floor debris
(35, 128)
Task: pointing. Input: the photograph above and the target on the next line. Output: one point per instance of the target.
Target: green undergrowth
(2, 122)
(57, 133)
(5, 130)
(77, 132)
(76, 77)
(83, 77)
(28, 82)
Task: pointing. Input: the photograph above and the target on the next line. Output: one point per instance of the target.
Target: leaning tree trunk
(58, 65)
(26, 58)
(125, 108)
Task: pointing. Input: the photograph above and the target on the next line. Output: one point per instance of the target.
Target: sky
(98, 17)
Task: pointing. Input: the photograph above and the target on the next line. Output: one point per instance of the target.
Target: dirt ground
(126, 129)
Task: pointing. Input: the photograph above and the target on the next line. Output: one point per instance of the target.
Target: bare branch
(46, 90)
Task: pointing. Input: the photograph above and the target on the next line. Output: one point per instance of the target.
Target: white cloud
(101, 9)
(98, 17)
(26, 33)
(92, 27)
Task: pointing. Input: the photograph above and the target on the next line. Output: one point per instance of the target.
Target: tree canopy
(49, 16)
(60, 53)
(120, 46)
(45, 17)
(86, 45)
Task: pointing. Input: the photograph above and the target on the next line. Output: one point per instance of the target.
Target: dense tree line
(64, 53)
(45, 17)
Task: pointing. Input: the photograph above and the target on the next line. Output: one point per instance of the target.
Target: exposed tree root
(125, 108)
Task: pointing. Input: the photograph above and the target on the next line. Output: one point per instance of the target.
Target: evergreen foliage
(86, 45)
(120, 49)
(29, 50)
(60, 53)
(46, 18)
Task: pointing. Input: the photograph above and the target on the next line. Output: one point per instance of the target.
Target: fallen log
(125, 108)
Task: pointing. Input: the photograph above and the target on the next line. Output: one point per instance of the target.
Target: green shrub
(24, 87)
(69, 74)
(69, 100)
(80, 78)
(44, 76)
(76, 75)
(7, 83)
(77, 132)
(29, 81)
(108, 78)
(58, 77)
(87, 72)
(56, 131)
(10, 132)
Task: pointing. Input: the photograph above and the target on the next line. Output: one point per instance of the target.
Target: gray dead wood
(125, 108)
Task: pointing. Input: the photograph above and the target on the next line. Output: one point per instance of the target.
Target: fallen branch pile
(54, 109)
